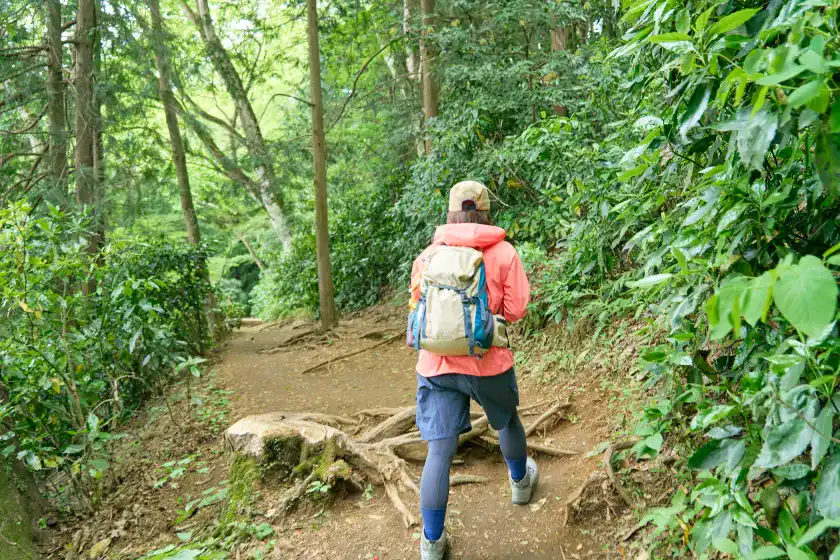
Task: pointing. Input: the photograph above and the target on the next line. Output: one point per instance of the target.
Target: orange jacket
(507, 289)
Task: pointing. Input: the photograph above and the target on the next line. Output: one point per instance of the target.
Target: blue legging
(434, 485)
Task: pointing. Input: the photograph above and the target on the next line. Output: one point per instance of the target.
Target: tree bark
(560, 42)
(427, 55)
(410, 54)
(413, 73)
(269, 190)
(86, 186)
(329, 315)
(55, 105)
(170, 112)
(179, 158)
(98, 143)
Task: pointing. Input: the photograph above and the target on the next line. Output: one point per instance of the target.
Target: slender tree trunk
(55, 105)
(410, 53)
(179, 158)
(559, 42)
(170, 111)
(86, 121)
(427, 54)
(98, 143)
(329, 315)
(257, 260)
(413, 72)
(269, 190)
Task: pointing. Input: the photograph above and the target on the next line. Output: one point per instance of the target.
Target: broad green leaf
(725, 545)
(680, 257)
(630, 173)
(696, 107)
(757, 298)
(793, 471)
(668, 38)
(649, 281)
(796, 554)
(717, 452)
(817, 530)
(827, 495)
(814, 62)
(767, 553)
(732, 21)
(806, 93)
(730, 217)
(713, 415)
(702, 20)
(806, 294)
(724, 432)
(783, 76)
(723, 307)
(819, 443)
(784, 443)
(679, 43)
(827, 158)
(654, 441)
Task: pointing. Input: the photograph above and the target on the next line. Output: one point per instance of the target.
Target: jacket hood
(477, 236)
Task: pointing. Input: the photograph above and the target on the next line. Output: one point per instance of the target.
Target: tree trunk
(98, 144)
(560, 42)
(20, 503)
(179, 158)
(410, 53)
(269, 190)
(86, 121)
(170, 112)
(427, 55)
(55, 105)
(329, 316)
(413, 73)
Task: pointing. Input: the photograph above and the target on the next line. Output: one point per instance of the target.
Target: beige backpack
(452, 317)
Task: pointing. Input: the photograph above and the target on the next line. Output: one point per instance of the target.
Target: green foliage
(73, 365)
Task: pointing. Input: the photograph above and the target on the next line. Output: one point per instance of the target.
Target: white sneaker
(521, 492)
(432, 550)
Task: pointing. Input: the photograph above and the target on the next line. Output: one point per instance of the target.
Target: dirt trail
(266, 377)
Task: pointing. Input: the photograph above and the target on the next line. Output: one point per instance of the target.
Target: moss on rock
(16, 514)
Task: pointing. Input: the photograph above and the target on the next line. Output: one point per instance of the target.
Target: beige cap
(469, 191)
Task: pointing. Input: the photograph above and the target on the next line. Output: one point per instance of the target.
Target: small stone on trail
(99, 549)
(538, 506)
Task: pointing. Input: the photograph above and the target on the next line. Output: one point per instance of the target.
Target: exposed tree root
(393, 426)
(546, 415)
(493, 441)
(291, 340)
(349, 355)
(459, 479)
(611, 474)
(577, 494)
(308, 444)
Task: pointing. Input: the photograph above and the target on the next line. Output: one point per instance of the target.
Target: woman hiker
(465, 288)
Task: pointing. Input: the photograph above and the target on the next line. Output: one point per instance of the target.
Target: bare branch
(359, 75)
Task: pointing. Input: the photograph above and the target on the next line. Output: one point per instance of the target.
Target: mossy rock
(17, 513)
(284, 440)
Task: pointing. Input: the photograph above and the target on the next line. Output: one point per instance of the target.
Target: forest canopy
(655, 162)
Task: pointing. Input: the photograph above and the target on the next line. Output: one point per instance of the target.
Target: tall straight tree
(55, 105)
(170, 111)
(179, 158)
(329, 315)
(270, 193)
(86, 184)
(427, 56)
